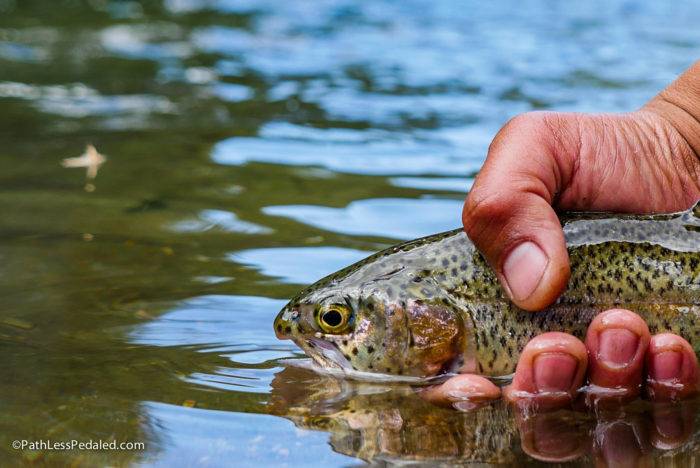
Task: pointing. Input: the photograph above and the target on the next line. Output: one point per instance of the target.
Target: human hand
(619, 358)
(645, 161)
(642, 162)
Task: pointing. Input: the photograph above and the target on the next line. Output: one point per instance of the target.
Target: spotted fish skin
(434, 305)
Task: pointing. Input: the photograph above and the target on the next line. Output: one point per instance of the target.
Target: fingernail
(523, 269)
(554, 372)
(666, 366)
(669, 426)
(617, 347)
(618, 444)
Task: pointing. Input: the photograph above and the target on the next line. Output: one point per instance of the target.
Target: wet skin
(643, 161)
(618, 361)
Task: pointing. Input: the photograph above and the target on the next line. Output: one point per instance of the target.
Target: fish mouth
(326, 353)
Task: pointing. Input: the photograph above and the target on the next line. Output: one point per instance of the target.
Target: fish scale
(434, 305)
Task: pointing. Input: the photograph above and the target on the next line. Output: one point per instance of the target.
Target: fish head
(370, 330)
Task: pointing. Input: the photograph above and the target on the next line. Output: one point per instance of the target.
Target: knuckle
(512, 127)
(529, 121)
(540, 126)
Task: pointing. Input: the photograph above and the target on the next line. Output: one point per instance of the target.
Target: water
(252, 148)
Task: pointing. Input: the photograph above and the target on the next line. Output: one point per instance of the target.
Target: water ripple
(298, 265)
(396, 218)
(213, 319)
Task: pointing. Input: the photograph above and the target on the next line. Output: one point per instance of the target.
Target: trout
(433, 305)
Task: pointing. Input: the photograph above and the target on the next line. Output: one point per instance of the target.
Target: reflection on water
(199, 437)
(255, 146)
(367, 152)
(392, 424)
(399, 218)
(219, 219)
(298, 265)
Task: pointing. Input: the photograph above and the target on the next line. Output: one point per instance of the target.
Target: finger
(672, 425)
(551, 438)
(462, 392)
(508, 213)
(550, 370)
(617, 341)
(672, 368)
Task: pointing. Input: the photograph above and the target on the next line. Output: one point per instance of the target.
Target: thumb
(508, 213)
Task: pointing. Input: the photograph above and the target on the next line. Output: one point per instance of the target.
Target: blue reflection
(298, 265)
(219, 219)
(350, 151)
(200, 437)
(451, 184)
(397, 218)
(214, 319)
(233, 92)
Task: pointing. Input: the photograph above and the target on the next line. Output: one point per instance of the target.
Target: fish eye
(333, 319)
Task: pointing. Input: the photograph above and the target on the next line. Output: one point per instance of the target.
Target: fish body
(433, 305)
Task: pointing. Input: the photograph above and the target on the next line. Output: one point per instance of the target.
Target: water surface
(252, 147)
